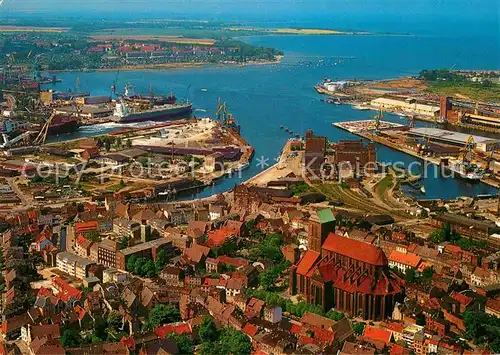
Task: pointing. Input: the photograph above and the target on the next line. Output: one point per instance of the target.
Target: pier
(393, 137)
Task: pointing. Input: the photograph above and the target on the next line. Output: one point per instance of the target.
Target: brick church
(348, 275)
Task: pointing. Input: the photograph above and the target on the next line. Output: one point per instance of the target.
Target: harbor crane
(411, 121)
(468, 150)
(226, 118)
(42, 135)
(378, 119)
(7, 143)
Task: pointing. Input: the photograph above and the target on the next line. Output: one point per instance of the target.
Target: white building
(73, 265)
(403, 260)
(273, 314)
(404, 106)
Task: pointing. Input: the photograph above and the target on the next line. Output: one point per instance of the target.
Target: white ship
(465, 171)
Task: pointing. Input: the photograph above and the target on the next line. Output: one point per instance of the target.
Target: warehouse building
(483, 144)
(410, 106)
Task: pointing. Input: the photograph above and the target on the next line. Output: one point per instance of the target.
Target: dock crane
(467, 150)
(42, 136)
(226, 118)
(378, 119)
(411, 121)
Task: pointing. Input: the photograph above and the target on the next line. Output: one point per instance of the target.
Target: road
(13, 185)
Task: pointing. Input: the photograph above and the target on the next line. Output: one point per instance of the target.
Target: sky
(263, 7)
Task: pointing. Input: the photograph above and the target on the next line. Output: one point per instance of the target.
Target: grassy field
(33, 29)
(383, 185)
(466, 90)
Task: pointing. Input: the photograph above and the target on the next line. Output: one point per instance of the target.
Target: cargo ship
(464, 170)
(123, 113)
(61, 124)
(150, 99)
(155, 100)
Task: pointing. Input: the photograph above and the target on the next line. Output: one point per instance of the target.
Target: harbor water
(264, 97)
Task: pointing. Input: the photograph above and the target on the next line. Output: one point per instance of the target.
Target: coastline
(173, 66)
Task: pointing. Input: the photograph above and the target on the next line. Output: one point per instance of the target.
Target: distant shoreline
(172, 66)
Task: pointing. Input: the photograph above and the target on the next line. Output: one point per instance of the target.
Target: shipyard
(171, 154)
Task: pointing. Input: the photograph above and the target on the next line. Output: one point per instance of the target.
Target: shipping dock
(436, 146)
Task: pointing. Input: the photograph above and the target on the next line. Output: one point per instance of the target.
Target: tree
(427, 273)
(124, 243)
(161, 260)
(207, 331)
(128, 143)
(148, 269)
(138, 266)
(267, 278)
(333, 314)
(70, 338)
(235, 342)
(131, 263)
(445, 234)
(184, 342)
(210, 348)
(420, 319)
(410, 276)
(359, 328)
(93, 236)
(162, 314)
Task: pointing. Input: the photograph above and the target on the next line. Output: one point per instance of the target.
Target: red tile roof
(219, 236)
(80, 312)
(463, 299)
(81, 227)
(306, 340)
(196, 252)
(183, 328)
(395, 327)
(66, 291)
(307, 262)
(355, 249)
(409, 259)
(453, 249)
(323, 336)
(379, 334)
(399, 350)
(344, 279)
(236, 262)
(128, 342)
(296, 329)
(250, 329)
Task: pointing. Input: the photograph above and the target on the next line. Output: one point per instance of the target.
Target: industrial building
(483, 144)
(410, 106)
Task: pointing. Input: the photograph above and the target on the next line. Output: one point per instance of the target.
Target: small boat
(204, 90)
(229, 171)
(297, 136)
(422, 190)
(281, 127)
